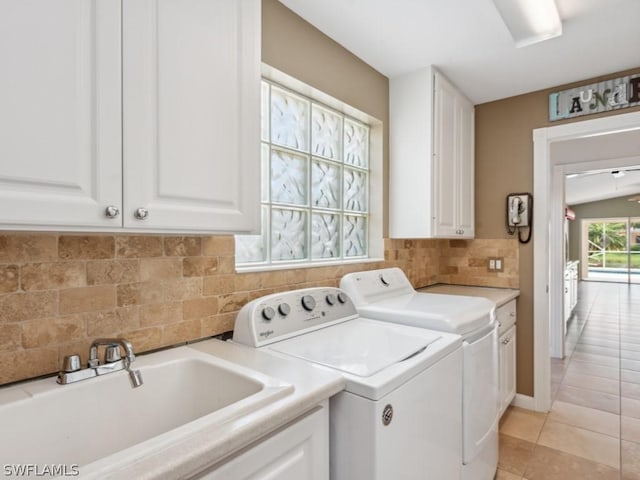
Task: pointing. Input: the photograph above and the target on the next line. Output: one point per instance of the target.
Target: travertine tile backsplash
(59, 291)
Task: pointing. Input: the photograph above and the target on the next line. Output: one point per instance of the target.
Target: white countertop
(499, 296)
(209, 446)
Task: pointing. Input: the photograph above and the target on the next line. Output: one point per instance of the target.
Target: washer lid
(358, 347)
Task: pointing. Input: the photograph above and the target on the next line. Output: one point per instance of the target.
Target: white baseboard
(524, 401)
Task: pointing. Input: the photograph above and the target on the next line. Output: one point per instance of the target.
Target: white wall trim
(548, 194)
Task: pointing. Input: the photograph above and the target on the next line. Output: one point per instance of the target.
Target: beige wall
(504, 164)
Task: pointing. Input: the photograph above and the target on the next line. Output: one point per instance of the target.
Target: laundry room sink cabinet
(134, 114)
(431, 166)
(299, 451)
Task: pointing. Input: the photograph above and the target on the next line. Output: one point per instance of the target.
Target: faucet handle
(71, 363)
(112, 354)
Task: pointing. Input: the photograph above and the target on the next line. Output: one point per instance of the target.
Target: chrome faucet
(113, 362)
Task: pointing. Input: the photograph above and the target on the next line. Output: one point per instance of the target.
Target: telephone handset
(516, 209)
(519, 214)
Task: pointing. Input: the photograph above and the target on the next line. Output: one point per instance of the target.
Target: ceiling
(469, 43)
(593, 159)
(601, 185)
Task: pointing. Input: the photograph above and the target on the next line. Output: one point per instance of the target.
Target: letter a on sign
(575, 105)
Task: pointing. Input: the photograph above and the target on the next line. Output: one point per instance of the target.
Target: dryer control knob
(342, 297)
(284, 309)
(331, 299)
(268, 313)
(308, 302)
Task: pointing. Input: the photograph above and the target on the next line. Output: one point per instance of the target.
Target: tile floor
(593, 428)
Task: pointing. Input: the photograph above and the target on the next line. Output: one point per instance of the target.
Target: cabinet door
(453, 162)
(445, 184)
(191, 86)
(60, 115)
(299, 452)
(507, 368)
(465, 167)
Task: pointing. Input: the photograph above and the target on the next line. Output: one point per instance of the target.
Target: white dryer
(388, 295)
(400, 414)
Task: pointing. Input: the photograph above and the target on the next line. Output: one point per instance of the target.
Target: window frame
(374, 210)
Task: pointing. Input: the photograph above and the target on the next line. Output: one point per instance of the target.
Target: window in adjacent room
(316, 175)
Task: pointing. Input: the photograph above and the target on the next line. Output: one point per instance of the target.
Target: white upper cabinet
(60, 112)
(431, 183)
(147, 106)
(191, 81)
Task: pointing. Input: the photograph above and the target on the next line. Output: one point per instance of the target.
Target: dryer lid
(358, 347)
(387, 295)
(447, 313)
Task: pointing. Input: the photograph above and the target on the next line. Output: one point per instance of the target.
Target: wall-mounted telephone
(519, 214)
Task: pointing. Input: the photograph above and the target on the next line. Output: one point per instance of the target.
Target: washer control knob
(342, 297)
(308, 302)
(268, 313)
(331, 299)
(284, 309)
(384, 282)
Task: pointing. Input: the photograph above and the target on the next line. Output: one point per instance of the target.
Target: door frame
(548, 248)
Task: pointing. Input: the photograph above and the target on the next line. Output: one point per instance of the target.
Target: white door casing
(548, 173)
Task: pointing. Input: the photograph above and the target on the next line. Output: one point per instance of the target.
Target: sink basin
(82, 423)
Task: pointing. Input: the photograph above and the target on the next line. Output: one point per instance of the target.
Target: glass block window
(315, 184)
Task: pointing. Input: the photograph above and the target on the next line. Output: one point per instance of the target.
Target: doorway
(554, 157)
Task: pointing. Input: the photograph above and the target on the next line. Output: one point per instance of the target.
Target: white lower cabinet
(507, 347)
(299, 451)
(507, 368)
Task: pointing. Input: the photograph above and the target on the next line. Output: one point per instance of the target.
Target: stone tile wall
(58, 292)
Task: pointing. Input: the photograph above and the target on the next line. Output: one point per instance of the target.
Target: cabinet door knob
(112, 211)
(141, 213)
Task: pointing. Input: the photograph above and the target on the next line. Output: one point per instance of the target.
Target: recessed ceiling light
(530, 21)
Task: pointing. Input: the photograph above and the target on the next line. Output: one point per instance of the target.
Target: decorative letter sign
(595, 98)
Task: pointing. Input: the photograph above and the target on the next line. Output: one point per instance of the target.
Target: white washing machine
(400, 414)
(388, 295)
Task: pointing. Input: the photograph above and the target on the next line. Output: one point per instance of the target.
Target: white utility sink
(83, 423)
